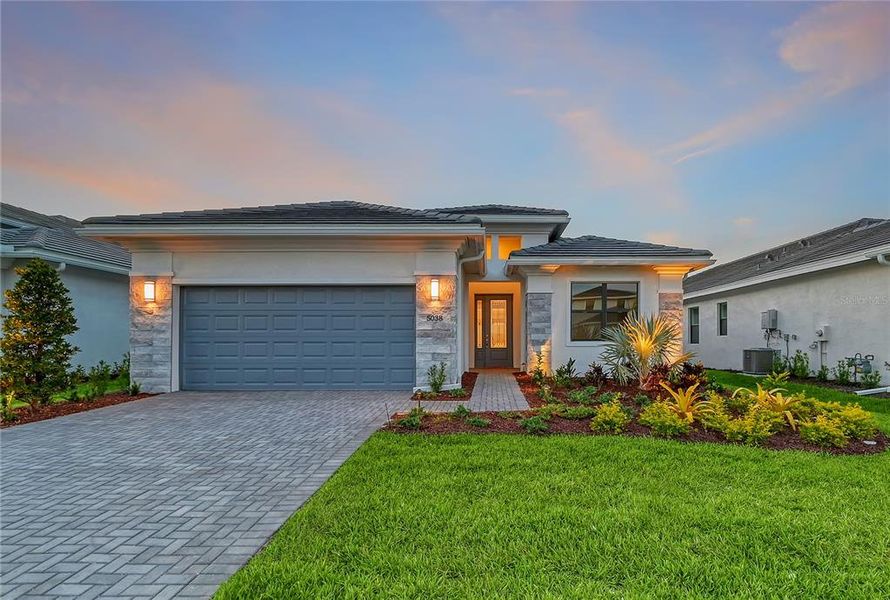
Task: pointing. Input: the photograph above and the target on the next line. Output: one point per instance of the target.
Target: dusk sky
(726, 126)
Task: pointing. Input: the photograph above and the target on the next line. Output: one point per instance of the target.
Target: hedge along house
(346, 295)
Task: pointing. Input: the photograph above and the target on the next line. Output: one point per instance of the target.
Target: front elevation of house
(345, 295)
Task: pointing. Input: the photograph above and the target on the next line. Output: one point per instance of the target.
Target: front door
(494, 331)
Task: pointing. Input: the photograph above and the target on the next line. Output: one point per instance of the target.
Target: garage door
(266, 338)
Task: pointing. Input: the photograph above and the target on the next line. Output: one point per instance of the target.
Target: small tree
(36, 355)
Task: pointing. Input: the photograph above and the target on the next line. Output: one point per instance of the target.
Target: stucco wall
(586, 352)
(101, 308)
(854, 301)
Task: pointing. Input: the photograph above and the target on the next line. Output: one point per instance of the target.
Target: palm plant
(687, 403)
(761, 396)
(640, 343)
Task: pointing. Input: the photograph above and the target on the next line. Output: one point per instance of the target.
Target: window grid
(598, 305)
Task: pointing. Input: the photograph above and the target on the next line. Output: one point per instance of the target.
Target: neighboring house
(95, 273)
(344, 295)
(836, 282)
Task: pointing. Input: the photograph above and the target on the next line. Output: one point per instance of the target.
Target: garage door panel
(297, 338)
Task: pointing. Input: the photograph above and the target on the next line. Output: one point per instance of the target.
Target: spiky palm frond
(640, 343)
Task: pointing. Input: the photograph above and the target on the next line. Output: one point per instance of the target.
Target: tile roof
(856, 236)
(597, 247)
(60, 237)
(345, 212)
(502, 209)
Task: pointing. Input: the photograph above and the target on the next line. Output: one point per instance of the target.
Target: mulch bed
(508, 422)
(467, 382)
(60, 409)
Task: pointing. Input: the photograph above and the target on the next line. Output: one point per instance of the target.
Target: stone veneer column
(671, 304)
(436, 328)
(151, 335)
(538, 329)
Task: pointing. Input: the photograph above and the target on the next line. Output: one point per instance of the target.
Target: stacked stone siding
(671, 304)
(151, 335)
(436, 340)
(538, 329)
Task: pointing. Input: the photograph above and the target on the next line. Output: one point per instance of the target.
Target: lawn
(499, 516)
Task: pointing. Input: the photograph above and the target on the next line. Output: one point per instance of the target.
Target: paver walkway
(170, 495)
(495, 390)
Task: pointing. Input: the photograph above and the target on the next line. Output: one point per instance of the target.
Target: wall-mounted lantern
(434, 289)
(148, 290)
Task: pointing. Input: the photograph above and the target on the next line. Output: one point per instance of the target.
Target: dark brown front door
(493, 331)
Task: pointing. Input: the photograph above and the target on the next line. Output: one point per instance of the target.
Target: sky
(727, 126)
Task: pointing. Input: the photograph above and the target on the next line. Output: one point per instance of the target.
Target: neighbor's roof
(857, 236)
(593, 246)
(338, 212)
(58, 239)
(502, 209)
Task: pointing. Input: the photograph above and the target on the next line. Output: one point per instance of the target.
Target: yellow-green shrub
(663, 421)
(715, 418)
(610, 417)
(758, 424)
(824, 431)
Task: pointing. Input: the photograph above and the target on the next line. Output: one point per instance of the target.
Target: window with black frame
(693, 325)
(598, 305)
(722, 318)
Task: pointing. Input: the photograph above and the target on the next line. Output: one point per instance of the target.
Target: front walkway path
(496, 390)
(170, 495)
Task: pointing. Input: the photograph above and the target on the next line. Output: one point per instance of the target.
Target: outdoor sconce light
(434, 289)
(148, 291)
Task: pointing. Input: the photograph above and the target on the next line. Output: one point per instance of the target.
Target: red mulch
(435, 424)
(51, 411)
(467, 382)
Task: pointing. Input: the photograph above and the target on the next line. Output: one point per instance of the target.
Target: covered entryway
(297, 337)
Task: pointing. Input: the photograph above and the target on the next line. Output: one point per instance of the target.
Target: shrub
(872, 379)
(461, 412)
(35, 355)
(784, 406)
(538, 376)
(564, 375)
(715, 418)
(509, 414)
(689, 374)
(436, 376)
(610, 417)
(800, 364)
(458, 393)
(99, 379)
(122, 369)
(687, 403)
(716, 386)
(535, 424)
(663, 421)
(577, 412)
(606, 397)
(776, 379)
(546, 394)
(823, 431)
(638, 344)
(583, 396)
(822, 373)
(413, 420)
(842, 372)
(853, 420)
(7, 413)
(758, 424)
(134, 389)
(642, 400)
(71, 395)
(478, 422)
(548, 410)
(779, 363)
(595, 374)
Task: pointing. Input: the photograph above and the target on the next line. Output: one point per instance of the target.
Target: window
(596, 306)
(693, 325)
(722, 318)
(488, 247)
(507, 244)
(478, 323)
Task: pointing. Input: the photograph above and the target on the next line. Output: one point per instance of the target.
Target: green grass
(498, 516)
(115, 385)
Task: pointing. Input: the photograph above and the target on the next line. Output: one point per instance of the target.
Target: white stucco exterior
(853, 301)
(101, 307)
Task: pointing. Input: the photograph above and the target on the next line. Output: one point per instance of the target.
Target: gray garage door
(266, 338)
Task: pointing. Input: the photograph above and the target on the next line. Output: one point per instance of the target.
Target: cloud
(666, 238)
(616, 162)
(743, 221)
(837, 48)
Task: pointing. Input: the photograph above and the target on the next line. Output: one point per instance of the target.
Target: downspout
(479, 256)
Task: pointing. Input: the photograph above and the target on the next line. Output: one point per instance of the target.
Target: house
(830, 291)
(346, 295)
(96, 275)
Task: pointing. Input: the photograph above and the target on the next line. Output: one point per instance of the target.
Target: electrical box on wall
(769, 319)
(823, 333)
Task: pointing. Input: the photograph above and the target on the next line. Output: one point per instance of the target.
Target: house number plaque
(434, 317)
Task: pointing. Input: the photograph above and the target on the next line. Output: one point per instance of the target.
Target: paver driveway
(169, 495)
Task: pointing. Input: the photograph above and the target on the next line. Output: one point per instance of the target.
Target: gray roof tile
(595, 247)
(502, 209)
(857, 236)
(344, 212)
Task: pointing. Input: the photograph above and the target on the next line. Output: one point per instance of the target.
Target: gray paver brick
(166, 497)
